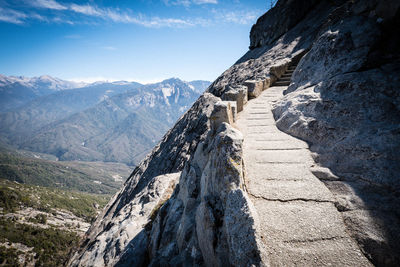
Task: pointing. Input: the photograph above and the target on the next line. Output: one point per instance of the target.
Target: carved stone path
(299, 223)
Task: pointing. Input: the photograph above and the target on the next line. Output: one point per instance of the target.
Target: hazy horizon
(91, 80)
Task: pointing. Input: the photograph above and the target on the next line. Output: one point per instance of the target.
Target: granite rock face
(238, 94)
(116, 233)
(261, 62)
(210, 219)
(343, 100)
(281, 18)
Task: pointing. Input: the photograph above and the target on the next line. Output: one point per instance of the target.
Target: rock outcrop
(186, 203)
(116, 233)
(210, 219)
(272, 25)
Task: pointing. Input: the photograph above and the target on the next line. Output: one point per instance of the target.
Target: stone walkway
(299, 222)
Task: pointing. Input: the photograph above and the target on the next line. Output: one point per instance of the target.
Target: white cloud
(87, 10)
(237, 17)
(91, 11)
(12, 16)
(62, 20)
(200, 2)
(178, 2)
(38, 17)
(49, 4)
(189, 2)
(160, 22)
(117, 16)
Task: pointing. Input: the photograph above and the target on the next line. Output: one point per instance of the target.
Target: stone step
(271, 94)
(261, 115)
(260, 118)
(284, 79)
(286, 75)
(284, 190)
(287, 144)
(279, 171)
(299, 224)
(306, 233)
(300, 220)
(283, 83)
(271, 156)
(319, 252)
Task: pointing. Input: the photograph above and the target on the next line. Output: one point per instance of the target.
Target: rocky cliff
(187, 202)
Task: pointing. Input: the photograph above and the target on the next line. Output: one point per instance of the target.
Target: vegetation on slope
(66, 175)
(14, 196)
(48, 244)
(51, 246)
(44, 210)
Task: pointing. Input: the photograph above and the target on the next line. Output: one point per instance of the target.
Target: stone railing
(235, 97)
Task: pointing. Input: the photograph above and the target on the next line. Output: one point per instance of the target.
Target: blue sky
(139, 40)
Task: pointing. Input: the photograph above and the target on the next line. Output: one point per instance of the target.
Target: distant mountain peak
(45, 82)
(173, 80)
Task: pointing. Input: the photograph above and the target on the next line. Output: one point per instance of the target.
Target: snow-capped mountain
(18, 90)
(118, 121)
(44, 82)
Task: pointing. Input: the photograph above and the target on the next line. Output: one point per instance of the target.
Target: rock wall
(344, 100)
(210, 219)
(278, 21)
(186, 205)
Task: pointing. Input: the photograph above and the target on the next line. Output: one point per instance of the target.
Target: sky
(133, 40)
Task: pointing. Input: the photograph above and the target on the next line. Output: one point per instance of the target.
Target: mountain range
(17, 91)
(103, 121)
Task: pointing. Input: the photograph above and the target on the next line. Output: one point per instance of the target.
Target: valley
(40, 225)
(111, 122)
(65, 152)
(46, 206)
(92, 177)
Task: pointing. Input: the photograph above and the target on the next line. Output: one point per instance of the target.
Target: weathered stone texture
(118, 233)
(236, 93)
(284, 16)
(344, 100)
(254, 88)
(256, 64)
(210, 220)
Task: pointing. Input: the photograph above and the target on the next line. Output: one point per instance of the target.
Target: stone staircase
(298, 221)
(284, 80)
